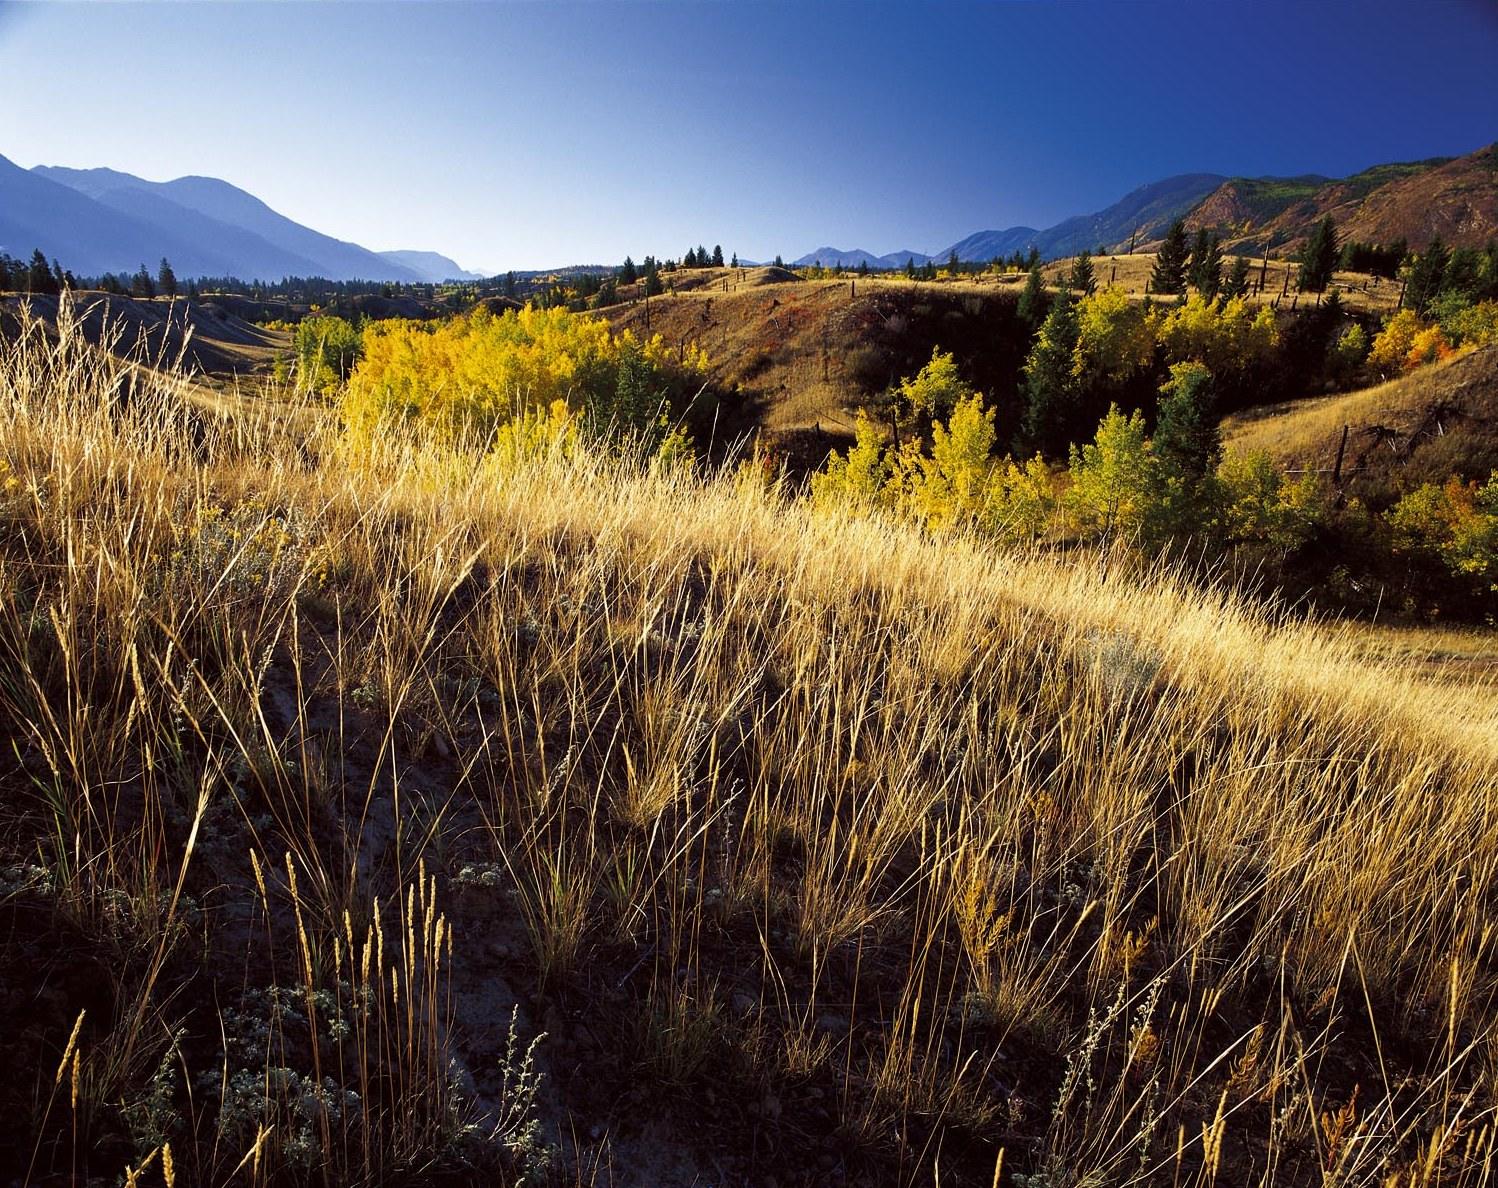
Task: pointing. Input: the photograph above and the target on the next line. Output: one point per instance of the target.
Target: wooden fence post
(1341, 450)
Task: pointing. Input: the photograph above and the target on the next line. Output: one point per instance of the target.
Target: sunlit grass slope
(819, 849)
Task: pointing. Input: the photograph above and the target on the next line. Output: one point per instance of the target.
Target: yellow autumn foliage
(1228, 338)
(477, 372)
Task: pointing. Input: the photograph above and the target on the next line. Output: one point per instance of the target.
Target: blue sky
(533, 134)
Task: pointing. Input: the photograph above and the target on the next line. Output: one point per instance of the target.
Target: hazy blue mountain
(85, 235)
(1149, 210)
(986, 245)
(259, 241)
(831, 257)
(233, 250)
(900, 259)
(431, 266)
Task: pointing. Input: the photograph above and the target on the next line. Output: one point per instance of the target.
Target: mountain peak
(206, 226)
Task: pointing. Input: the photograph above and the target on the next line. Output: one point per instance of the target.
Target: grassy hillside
(201, 336)
(801, 354)
(353, 790)
(1420, 427)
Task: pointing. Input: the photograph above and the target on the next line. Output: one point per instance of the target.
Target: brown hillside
(205, 336)
(1457, 201)
(799, 356)
(1421, 427)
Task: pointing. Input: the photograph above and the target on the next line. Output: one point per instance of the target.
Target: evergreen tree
(1318, 258)
(779, 263)
(717, 255)
(1186, 449)
(1187, 439)
(166, 279)
(952, 262)
(1200, 246)
(653, 285)
(39, 276)
(863, 268)
(1169, 273)
(910, 267)
(1462, 272)
(1206, 266)
(1033, 301)
(1032, 259)
(1050, 383)
(1487, 274)
(627, 274)
(1082, 277)
(734, 263)
(1426, 277)
(1237, 282)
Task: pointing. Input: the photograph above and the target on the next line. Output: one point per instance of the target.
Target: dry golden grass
(1307, 431)
(1359, 291)
(839, 843)
(788, 344)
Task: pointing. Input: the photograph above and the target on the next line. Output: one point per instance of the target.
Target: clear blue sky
(525, 135)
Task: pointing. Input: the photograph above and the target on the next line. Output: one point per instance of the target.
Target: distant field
(1360, 292)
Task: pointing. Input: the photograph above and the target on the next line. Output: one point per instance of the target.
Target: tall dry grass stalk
(998, 857)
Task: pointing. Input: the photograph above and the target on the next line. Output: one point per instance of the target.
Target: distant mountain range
(101, 220)
(1456, 198)
(830, 257)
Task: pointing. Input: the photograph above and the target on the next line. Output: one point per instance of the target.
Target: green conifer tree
(1033, 301)
(1237, 281)
(1206, 267)
(1083, 279)
(1318, 258)
(1050, 384)
(1426, 277)
(1186, 448)
(654, 286)
(39, 277)
(1168, 276)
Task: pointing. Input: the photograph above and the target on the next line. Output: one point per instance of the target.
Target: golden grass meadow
(409, 817)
